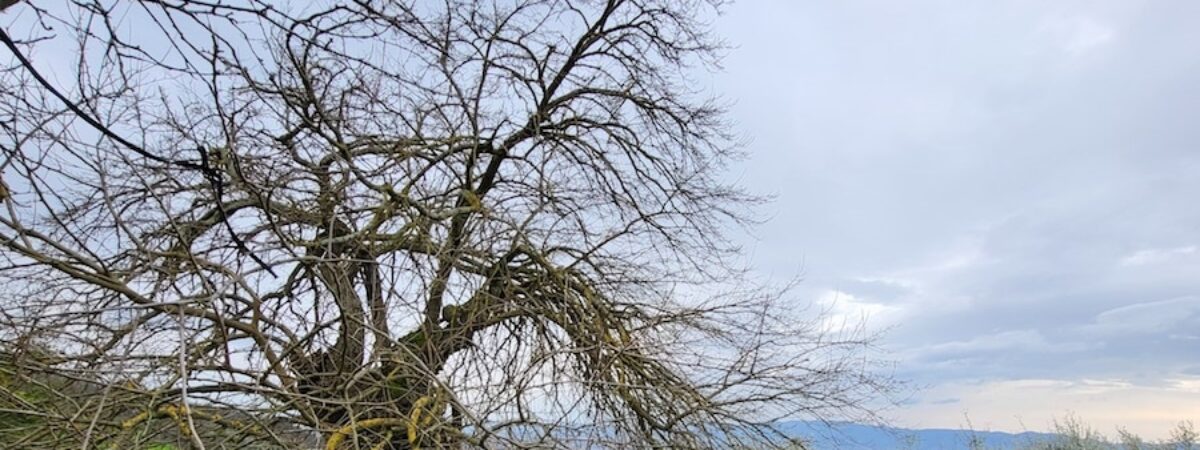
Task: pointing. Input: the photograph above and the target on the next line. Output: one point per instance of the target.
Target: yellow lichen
(342, 433)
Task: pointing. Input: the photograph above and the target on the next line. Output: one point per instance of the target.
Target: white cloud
(843, 310)
(1152, 256)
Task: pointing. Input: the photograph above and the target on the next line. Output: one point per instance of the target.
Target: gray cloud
(1016, 181)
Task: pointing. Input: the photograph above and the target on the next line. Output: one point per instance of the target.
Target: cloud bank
(1008, 187)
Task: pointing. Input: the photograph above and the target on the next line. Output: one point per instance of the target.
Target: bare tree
(398, 224)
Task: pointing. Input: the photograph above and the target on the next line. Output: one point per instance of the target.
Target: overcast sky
(1011, 186)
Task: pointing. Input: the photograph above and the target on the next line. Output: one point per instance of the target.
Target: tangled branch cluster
(384, 224)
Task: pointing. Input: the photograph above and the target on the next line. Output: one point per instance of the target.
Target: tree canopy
(397, 224)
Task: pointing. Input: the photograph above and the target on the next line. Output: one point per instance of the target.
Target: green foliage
(1071, 433)
(23, 404)
(1184, 437)
(1129, 441)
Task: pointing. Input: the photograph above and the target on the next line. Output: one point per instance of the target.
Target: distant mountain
(853, 436)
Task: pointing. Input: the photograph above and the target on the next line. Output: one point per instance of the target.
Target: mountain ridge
(857, 436)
